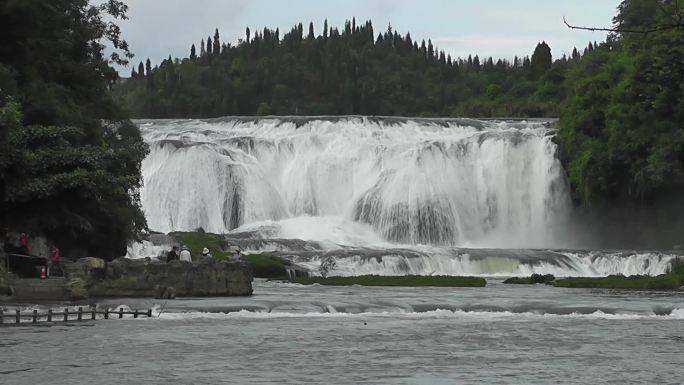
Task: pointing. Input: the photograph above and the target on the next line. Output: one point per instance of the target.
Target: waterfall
(451, 182)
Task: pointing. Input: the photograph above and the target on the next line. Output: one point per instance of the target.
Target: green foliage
(404, 280)
(70, 163)
(621, 127)
(196, 241)
(267, 266)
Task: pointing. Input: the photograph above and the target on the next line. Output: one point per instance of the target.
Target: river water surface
(289, 333)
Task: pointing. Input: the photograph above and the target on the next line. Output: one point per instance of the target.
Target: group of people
(185, 255)
(20, 246)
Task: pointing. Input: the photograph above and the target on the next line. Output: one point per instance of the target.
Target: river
(288, 333)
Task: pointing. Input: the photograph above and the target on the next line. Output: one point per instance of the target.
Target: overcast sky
(498, 28)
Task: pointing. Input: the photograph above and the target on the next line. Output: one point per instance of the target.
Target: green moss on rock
(197, 240)
(267, 266)
(531, 280)
(646, 282)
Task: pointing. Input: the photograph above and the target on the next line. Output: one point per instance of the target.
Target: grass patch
(267, 266)
(404, 280)
(196, 241)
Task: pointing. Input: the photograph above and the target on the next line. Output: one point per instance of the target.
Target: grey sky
(498, 28)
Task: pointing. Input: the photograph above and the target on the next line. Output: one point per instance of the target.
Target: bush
(267, 266)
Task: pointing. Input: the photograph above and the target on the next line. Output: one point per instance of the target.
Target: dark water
(295, 334)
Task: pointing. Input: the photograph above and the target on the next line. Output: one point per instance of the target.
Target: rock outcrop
(139, 278)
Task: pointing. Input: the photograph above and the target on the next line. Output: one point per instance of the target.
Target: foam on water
(676, 314)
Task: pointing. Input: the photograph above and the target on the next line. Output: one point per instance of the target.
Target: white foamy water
(560, 264)
(676, 314)
(446, 182)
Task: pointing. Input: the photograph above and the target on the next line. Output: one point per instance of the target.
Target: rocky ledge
(91, 277)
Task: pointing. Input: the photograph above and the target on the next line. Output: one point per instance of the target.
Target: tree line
(345, 72)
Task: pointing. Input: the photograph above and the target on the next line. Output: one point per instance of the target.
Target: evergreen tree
(476, 63)
(325, 29)
(217, 43)
(541, 60)
(193, 54)
(209, 46)
(247, 34)
(148, 68)
(203, 50)
(311, 31)
(141, 70)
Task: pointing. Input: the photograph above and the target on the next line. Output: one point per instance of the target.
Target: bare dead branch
(657, 28)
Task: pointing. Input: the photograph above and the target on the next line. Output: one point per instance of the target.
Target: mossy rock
(92, 263)
(76, 288)
(198, 240)
(267, 266)
(531, 280)
(636, 282)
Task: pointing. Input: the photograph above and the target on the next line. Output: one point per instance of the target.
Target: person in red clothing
(24, 244)
(54, 262)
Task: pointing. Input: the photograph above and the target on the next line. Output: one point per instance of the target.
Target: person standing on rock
(185, 254)
(206, 253)
(54, 261)
(173, 254)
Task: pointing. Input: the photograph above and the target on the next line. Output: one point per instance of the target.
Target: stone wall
(140, 278)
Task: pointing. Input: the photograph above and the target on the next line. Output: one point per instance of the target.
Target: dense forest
(69, 159)
(343, 73)
(620, 101)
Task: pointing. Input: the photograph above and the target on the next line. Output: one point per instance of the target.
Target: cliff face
(138, 278)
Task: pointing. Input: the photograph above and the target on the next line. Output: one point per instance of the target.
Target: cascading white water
(414, 181)
(379, 195)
